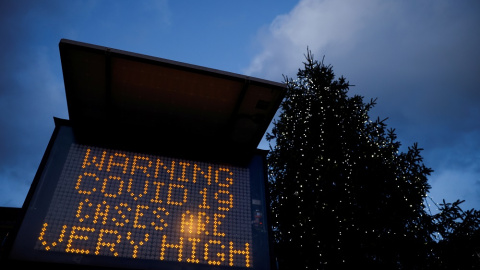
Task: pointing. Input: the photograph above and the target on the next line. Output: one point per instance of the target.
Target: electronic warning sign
(99, 206)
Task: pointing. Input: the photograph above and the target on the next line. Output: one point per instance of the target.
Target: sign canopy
(128, 98)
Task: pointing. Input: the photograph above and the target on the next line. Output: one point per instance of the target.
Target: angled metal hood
(118, 98)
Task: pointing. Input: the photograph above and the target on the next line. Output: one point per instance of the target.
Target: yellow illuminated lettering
(136, 245)
(201, 225)
(166, 245)
(160, 164)
(208, 176)
(133, 205)
(119, 189)
(184, 168)
(122, 215)
(245, 252)
(156, 199)
(169, 196)
(229, 180)
(227, 203)
(75, 236)
(221, 255)
(188, 223)
(143, 168)
(111, 246)
(103, 213)
(194, 249)
(80, 209)
(159, 217)
(86, 162)
(138, 214)
(204, 203)
(124, 165)
(145, 189)
(217, 223)
(79, 182)
(53, 244)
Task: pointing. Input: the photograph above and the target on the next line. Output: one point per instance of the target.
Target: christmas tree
(342, 193)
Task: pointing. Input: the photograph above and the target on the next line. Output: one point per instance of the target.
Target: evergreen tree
(342, 194)
(457, 235)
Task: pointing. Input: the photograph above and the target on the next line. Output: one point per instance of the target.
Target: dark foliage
(457, 235)
(343, 195)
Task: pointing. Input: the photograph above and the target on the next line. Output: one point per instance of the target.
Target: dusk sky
(420, 58)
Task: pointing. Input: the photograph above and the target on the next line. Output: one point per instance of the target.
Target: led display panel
(99, 206)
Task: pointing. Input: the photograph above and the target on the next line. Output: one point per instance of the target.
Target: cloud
(449, 183)
(31, 98)
(322, 26)
(419, 58)
(31, 82)
(31, 94)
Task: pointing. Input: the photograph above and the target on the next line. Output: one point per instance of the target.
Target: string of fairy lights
(325, 142)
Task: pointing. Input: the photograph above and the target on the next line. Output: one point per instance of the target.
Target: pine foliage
(342, 193)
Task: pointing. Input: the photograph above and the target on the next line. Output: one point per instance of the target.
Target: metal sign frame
(26, 250)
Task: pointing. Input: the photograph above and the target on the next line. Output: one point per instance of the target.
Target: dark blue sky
(419, 58)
